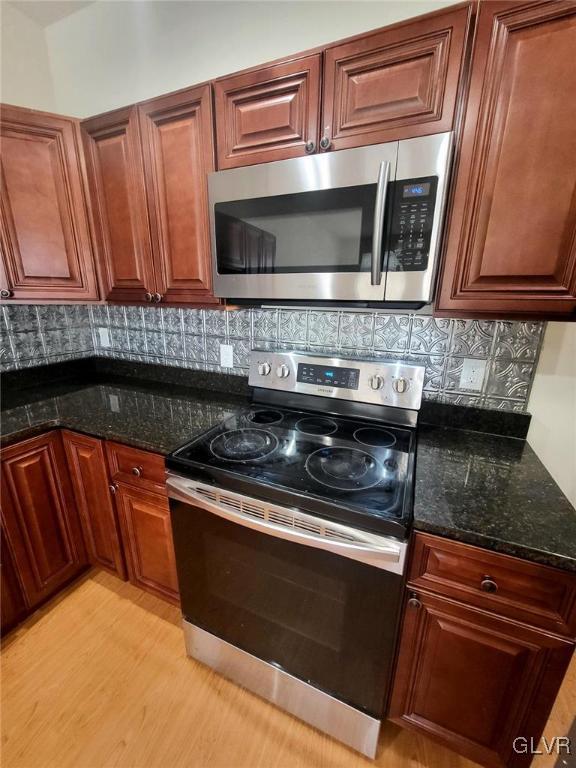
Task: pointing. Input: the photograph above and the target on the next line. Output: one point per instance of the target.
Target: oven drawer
(536, 594)
(131, 465)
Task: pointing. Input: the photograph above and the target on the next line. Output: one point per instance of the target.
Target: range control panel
(411, 224)
(378, 382)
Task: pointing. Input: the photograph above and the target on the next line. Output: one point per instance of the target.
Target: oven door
(326, 619)
(308, 229)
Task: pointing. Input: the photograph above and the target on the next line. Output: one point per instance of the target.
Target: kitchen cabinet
(395, 83)
(471, 672)
(139, 478)
(94, 500)
(39, 517)
(147, 168)
(12, 602)
(511, 240)
(268, 114)
(44, 228)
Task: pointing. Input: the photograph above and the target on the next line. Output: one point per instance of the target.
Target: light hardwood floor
(99, 679)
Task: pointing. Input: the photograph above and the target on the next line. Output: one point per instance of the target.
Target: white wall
(109, 54)
(553, 406)
(25, 67)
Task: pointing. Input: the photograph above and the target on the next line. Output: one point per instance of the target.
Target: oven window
(322, 231)
(325, 619)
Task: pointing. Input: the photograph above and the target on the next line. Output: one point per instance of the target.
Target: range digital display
(416, 190)
(329, 376)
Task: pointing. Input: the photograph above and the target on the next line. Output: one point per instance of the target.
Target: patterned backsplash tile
(503, 354)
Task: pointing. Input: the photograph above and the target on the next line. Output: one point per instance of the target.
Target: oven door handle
(379, 208)
(372, 549)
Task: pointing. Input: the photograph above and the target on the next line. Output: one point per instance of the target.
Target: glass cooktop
(357, 472)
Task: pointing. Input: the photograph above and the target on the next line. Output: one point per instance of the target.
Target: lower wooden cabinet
(12, 601)
(39, 517)
(93, 492)
(472, 678)
(147, 535)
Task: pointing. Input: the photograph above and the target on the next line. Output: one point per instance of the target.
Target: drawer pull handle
(113, 488)
(137, 471)
(488, 585)
(413, 601)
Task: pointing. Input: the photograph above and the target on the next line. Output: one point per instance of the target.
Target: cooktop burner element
(265, 417)
(374, 436)
(316, 425)
(347, 469)
(244, 444)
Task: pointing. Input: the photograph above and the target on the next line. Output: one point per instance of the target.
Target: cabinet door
(39, 516)
(44, 231)
(178, 154)
(268, 114)
(474, 681)
(12, 602)
(511, 244)
(147, 535)
(397, 83)
(116, 176)
(93, 492)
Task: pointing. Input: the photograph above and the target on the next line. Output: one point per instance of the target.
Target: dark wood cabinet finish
(535, 594)
(131, 465)
(178, 151)
(147, 535)
(93, 492)
(44, 230)
(268, 114)
(511, 244)
(397, 83)
(39, 516)
(12, 602)
(116, 176)
(475, 681)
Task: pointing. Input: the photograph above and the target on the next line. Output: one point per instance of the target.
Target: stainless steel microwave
(359, 225)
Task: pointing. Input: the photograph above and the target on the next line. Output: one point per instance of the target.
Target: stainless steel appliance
(359, 225)
(291, 522)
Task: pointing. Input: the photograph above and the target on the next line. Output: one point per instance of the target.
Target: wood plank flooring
(99, 679)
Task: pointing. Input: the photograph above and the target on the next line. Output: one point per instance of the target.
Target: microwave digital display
(330, 376)
(416, 190)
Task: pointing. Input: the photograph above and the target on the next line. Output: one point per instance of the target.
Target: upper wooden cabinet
(178, 150)
(398, 83)
(147, 169)
(116, 175)
(39, 517)
(511, 243)
(269, 114)
(44, 231)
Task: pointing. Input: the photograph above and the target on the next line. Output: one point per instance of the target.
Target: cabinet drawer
(536, 594)
(134, 466)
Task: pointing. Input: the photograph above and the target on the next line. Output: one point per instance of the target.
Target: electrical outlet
(104, 335)
(472, 374)
(226, 356)
(114, 403)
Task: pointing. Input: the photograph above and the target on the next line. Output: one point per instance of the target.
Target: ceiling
(46, 12)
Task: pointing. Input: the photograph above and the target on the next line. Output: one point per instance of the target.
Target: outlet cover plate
(472, 376)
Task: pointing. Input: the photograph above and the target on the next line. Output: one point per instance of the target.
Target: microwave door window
(323, 231)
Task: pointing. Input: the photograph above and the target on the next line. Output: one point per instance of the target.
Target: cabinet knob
(310, 147)
(148, 296)
(413, 601)
(137, 471)
(5, 293)
(113, 488)
(488, 585)
(325, 140)
(157, 298)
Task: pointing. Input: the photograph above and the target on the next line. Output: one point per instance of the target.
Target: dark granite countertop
(480, 488)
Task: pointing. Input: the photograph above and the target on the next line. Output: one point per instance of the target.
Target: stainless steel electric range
(291, 522)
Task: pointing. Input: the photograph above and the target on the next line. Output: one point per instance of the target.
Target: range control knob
(376, 382)
(264, 369)
(400, 386)
(282, 371)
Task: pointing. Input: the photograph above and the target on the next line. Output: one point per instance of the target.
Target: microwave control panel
(411, 224)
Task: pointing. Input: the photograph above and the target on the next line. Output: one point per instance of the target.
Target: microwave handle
(379, 208)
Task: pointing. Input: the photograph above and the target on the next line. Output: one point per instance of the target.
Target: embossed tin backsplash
(501, 355)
